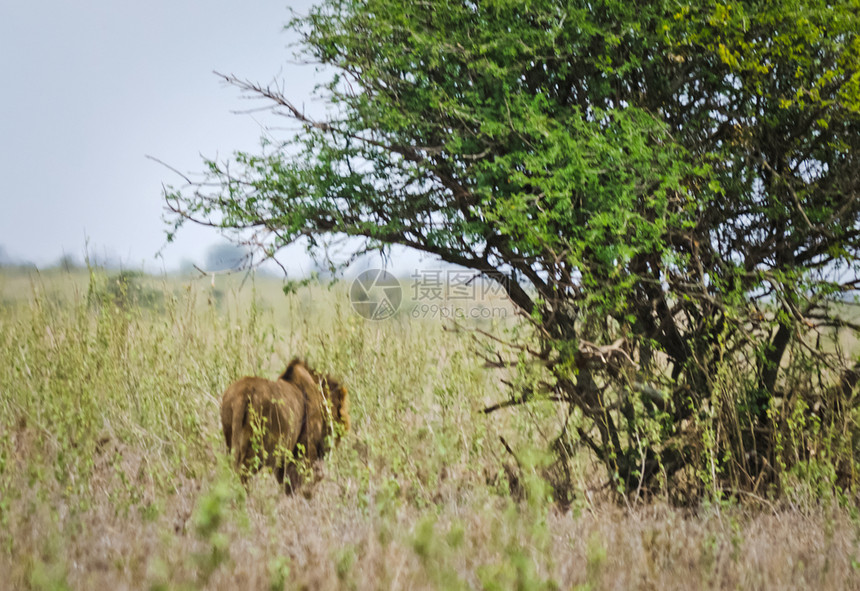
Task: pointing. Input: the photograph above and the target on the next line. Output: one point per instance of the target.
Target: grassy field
(113, 471)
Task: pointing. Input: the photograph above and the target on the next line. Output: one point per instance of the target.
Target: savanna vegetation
(668, 193)
(114, 473)
(667, 196)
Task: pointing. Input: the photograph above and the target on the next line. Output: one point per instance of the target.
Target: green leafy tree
(669, 192)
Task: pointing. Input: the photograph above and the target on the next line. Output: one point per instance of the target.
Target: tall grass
(113, 472)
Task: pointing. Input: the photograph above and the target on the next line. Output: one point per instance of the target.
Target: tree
(227, 256)
(669, 191)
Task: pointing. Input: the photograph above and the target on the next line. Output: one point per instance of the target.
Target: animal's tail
(241, 440)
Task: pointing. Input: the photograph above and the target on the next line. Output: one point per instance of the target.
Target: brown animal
(287, 424)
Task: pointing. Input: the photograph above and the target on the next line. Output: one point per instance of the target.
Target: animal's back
(279, 405)
(300, 415)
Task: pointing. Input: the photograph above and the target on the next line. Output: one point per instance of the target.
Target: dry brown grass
(113, 473)
(330, 541)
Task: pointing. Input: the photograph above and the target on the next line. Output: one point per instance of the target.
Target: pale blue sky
(91, 87)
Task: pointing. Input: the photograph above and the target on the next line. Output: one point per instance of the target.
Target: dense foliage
(669, 190)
